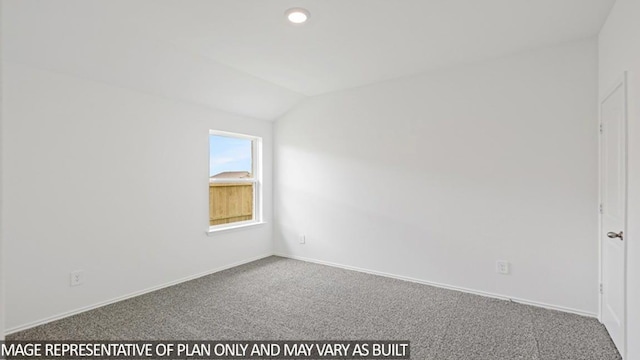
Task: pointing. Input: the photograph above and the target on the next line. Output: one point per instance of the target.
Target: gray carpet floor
(283, 299)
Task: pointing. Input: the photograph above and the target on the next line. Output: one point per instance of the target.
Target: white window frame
(256, 180)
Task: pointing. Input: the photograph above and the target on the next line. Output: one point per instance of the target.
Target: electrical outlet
(303, 239)
(77, 277)
(502, 267)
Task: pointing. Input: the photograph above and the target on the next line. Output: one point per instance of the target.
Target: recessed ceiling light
(297, 15)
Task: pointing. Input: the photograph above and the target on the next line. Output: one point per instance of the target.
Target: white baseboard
(321, 262)
(445, 286)
(128, 296)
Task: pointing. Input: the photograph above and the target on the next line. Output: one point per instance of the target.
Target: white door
(613, 196)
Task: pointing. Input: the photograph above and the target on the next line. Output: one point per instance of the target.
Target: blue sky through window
(228, 154)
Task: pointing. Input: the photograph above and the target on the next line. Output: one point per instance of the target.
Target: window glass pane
(230, 202)
(229, 157)
(230, 199)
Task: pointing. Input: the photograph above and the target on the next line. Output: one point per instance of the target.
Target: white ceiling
(242, 56)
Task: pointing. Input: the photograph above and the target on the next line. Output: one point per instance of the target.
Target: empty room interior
(458, 179)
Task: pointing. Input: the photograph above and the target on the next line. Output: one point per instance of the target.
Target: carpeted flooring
(284, 299)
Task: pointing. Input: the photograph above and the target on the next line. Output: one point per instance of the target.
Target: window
(234, 180)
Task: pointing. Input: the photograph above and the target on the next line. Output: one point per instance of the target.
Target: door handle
(613, 235)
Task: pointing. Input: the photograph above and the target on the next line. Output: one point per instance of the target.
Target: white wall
(113, 182)
(436, 177)
(619, 51)
(1, 256)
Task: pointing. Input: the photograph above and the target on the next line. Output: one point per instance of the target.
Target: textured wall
(113, 182)
(435, 177)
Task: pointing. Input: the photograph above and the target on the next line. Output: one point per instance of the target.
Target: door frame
(620, 83)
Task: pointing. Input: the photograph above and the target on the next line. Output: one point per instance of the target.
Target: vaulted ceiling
(242, 56)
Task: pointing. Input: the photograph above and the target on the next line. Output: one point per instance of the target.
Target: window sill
(217, 230)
